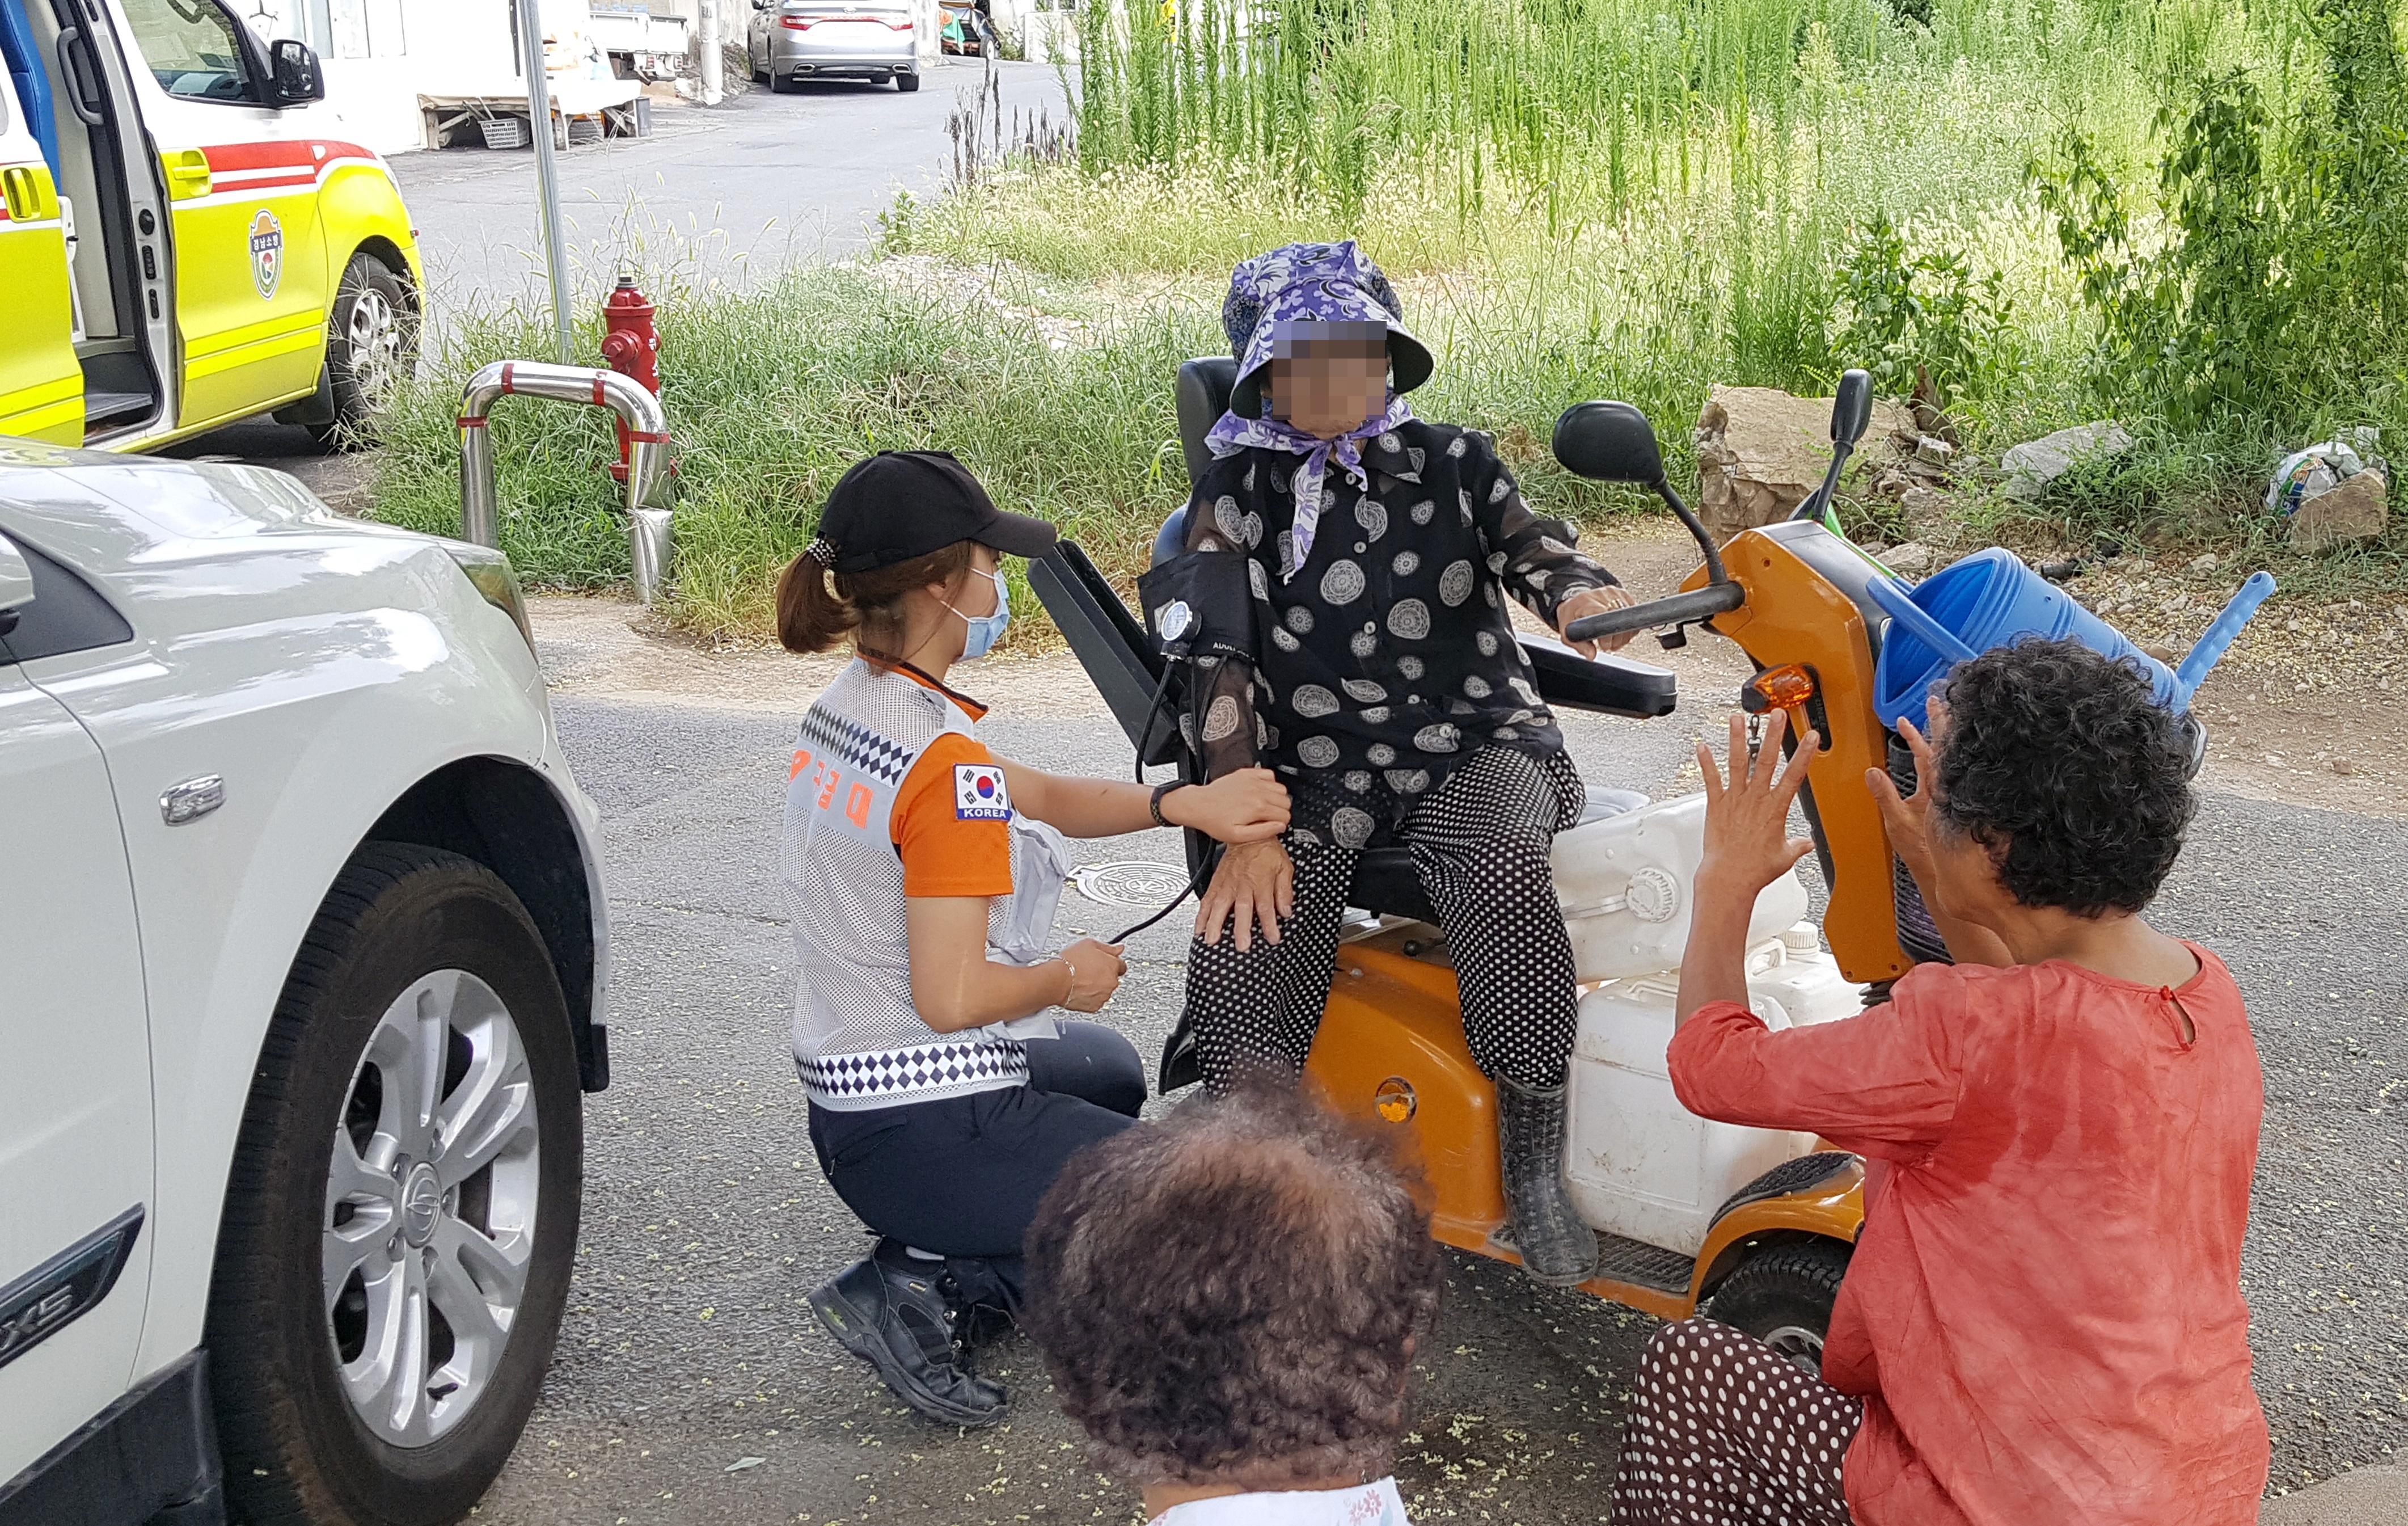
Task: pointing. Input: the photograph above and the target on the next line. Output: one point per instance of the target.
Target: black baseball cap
(901, 504)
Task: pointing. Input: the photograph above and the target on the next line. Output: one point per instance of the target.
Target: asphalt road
(731, 192)
(692, 1385)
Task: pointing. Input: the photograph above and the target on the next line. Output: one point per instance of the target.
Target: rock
(2035, 463)
(2163, 652)
(2355, 511)
(1922, 505)
(1911, 560)
(2204, 563)
(1760, 451)
(2344, 766)
(1938, 451)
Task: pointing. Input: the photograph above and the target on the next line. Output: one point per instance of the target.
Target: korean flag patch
(979, 794)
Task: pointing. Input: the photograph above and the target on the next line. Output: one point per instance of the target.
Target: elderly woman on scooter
(921, 877)
(1345, 587)
(2043, 1320)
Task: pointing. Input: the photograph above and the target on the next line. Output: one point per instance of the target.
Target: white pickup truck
(302, 959)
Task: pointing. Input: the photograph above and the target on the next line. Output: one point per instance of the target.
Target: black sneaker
(897, 1321)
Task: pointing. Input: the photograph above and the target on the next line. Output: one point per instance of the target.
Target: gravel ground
(691, 1385)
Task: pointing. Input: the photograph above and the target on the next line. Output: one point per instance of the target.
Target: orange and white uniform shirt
(891, 795)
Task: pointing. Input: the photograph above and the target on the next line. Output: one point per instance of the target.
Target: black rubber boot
(1556, 1247)
(893, 1316)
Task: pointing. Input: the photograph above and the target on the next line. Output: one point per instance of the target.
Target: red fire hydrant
(631, 346)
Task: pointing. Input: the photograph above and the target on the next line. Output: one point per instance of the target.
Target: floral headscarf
(1309, 283)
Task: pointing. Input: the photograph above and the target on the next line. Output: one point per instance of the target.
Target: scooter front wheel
(1783, 1296)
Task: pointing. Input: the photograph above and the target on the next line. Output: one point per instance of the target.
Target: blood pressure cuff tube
(1200, 608)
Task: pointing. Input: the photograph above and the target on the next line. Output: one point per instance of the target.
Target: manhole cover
(1135, 884)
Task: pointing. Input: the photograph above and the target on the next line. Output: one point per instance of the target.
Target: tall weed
(2273, 286)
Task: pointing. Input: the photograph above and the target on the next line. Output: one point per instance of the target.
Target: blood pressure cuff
(1197, 604)
(1200, 607)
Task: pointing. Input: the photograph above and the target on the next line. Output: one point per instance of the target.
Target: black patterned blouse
(1389, 656)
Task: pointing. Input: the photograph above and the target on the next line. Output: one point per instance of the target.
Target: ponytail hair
(817, 607)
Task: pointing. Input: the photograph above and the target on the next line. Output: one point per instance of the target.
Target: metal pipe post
(650, 546)
(547, 169)
(706, 43)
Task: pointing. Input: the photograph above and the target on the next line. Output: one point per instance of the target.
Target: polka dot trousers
(1725, 1429)
(1481, 844)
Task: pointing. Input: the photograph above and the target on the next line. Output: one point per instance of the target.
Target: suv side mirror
(1609, 442)
(299, 79)
(16, 586)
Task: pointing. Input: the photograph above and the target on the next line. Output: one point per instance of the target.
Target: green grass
(770, 396)
(1579, 198)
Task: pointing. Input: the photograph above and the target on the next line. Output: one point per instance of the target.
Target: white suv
(302, 948)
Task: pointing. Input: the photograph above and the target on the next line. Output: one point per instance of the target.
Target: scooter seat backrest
(1203, 396)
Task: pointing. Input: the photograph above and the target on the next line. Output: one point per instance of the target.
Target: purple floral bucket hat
(1335, 284)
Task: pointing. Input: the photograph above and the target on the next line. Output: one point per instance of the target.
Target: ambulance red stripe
(280, 154)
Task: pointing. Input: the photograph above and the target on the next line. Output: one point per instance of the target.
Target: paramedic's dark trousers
(961, 1177)
(1481, 845)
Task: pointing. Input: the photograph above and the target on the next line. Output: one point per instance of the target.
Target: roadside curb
(2373, 1495)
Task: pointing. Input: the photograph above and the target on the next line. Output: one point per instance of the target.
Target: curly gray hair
(1233, 1296)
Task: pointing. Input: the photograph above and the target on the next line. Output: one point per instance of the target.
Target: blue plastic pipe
(2219, 634)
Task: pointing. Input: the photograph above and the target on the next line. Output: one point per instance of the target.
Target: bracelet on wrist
(1155, 805)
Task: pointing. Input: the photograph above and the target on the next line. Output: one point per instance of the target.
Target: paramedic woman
(921, 875)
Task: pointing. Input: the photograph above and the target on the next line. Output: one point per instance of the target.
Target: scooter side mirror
(1608, 442)
(1853, 409)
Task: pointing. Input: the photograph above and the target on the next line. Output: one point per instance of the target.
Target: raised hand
(1748, 844)
(1908, 818)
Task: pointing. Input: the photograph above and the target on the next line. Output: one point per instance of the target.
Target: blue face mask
(986, 629)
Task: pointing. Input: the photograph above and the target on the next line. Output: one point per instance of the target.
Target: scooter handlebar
(1678, 609)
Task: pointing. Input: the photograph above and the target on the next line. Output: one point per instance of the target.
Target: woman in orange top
(921, 876)
(2043, 1321)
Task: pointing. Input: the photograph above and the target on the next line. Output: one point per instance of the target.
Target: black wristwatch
(1159, 791)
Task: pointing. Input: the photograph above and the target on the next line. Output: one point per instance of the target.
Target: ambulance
(182, 244)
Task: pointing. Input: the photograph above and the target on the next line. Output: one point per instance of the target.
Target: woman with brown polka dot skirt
(1725, 1428)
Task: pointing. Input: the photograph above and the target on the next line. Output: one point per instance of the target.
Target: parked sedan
(793, 40)
(302, 927)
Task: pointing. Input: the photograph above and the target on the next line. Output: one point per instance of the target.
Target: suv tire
(1783, 1296)
(371, 350)
(422, 986)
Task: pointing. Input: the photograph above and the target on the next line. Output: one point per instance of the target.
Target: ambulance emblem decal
(979, 794)
(266, 253)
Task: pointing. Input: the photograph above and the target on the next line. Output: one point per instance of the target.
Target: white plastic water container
(1624, 884)
(1639, 1164)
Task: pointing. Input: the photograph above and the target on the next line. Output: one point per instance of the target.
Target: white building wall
(380, 55)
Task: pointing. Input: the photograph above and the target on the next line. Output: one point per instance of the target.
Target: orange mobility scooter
(1755, 1225)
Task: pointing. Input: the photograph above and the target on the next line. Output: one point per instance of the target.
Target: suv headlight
(489, 573)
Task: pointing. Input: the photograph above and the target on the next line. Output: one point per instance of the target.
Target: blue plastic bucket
(1989, 599)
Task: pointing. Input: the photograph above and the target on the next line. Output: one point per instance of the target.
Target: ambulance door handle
(27, 191)
(69, 38)
(188, 174)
